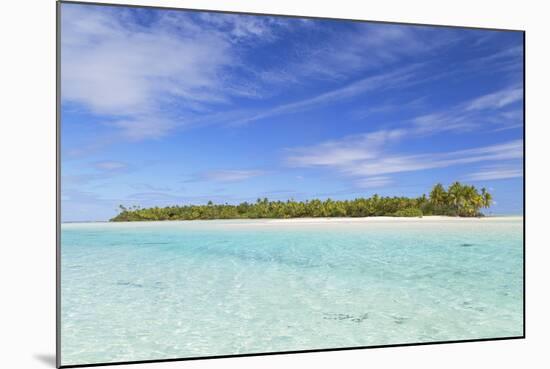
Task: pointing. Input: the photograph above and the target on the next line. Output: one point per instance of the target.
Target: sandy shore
(432, 220)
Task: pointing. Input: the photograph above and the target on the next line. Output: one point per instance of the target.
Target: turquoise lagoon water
(158, 290)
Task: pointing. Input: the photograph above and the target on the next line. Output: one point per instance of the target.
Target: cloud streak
(409, 163)
(229, 175)
(110, 166)
(368, 159)
(379, 82)
(351, 149)
(373, 182)
(497, 100)
(114, 69)
(128, 74)
(474, 114)
(496, 173)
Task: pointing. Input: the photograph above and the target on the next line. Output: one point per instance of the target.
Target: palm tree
(455, 196)
(438, 196)
(471, 201)
(458, 199)
(487, 198)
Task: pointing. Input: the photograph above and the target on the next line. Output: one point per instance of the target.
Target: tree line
(457, 200)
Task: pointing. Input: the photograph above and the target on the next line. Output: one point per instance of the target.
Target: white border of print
(27, 152)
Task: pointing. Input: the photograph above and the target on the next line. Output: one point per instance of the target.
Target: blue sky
(175, 107)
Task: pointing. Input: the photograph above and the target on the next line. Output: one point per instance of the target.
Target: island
(457, 200)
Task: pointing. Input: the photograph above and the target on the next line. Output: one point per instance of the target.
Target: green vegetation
(456, 200)
(408, 212)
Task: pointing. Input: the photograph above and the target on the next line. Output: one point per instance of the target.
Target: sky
(165, 107)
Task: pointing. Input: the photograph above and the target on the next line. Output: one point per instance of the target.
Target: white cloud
(144, 127)
(408, 163)
(344, 151)
(369, 154)
(112, 66)
(496, 172)
(373, 182)
(230, 175)
(149, 187)
(153, 196)
(462, 117)
(474, 113)
(497, 99)
(115, 69)
(507, 60)
(368, 158)
(363, 47)
(110, 165)
(453, 120)
(394, 79)
(239, 27)
(390, 106)
(484, 112)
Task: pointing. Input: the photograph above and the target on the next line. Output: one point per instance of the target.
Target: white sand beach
(320, 223)
(426, 222)
(431, 218)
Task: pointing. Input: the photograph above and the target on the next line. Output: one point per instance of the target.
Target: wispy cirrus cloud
(115, 67)
(494, 111)
(372, 182)
(507, 60)
(360, 47)
(497, 99)
(149, 187)
(350, 149)
(496, 173)
(369, 158)
(378, 82)
(389, 107)
(228, 175)
(242, 27)
(110, 165)
(408, 163)
(464, 116)
(95, 172)
(124, 73)
(368, 154)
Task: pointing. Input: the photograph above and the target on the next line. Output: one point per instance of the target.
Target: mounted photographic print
(241, 184)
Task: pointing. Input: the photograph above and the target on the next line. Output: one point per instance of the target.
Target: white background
(27, 189)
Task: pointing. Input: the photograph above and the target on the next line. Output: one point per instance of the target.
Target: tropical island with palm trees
(457, 200)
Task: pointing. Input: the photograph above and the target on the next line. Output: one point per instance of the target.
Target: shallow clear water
(158, 290)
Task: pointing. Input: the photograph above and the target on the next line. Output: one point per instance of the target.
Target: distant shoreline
(322, 220)
(442, 218)
(457, 200)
